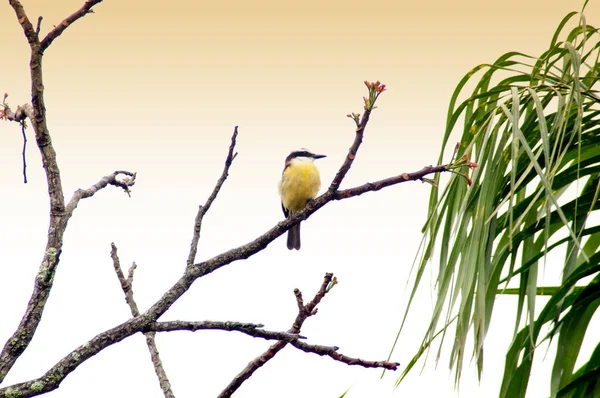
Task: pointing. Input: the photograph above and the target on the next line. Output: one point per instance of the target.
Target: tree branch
(23, 152)
(17, 344)
(23, 112)
(54, 376)
(251, 329)
(377, 185)
(19, 116)
(110, 179)
(39, 26)
(332, 353)
(126, 285)
(375, 89)
(85, 9)
(24, 21)
(360, 129)
(303, 313)
(203, 209)
(19, 341)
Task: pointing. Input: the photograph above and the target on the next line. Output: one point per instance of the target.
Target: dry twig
(304, 311)
(203, 209)
(127, 286)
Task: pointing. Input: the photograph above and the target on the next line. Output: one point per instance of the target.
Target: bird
(300, 182)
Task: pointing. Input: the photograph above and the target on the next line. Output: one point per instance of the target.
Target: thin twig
(304, 311)
(333, 353)
(23, 112)
(85, 9)
(39, 26)
(24, 21)
(126, 285)
(360, 130)
(250, 329)
(377, 185)
(111, 179)
(130, 273)
(23, 153)
(203, 209)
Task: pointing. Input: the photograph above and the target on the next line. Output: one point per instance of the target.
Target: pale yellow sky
(156, 87)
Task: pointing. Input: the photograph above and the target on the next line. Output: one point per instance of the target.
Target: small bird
(300, 182)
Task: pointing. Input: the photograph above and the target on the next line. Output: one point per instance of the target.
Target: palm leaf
(533, 126)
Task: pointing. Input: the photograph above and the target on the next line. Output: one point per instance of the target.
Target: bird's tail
(293, 239)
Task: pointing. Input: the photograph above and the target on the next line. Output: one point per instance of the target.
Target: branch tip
(203, 209)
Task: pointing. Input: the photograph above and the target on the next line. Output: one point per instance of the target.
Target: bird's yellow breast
(299, 184)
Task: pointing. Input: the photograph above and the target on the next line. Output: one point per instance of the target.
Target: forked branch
(304, 311)
(127, 286)
(203, 209)
(85, 9)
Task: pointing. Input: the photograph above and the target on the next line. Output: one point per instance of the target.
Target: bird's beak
(319, 156)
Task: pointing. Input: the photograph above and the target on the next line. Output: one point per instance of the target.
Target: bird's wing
(285, 211)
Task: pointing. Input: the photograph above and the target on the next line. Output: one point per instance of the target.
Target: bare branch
(17, 344)
(304, 312)
(24, 21)
(59, 215)
(126, 285)
(251, 329)
(377, 185)
(53, 377)
(23, 112)
(39, 26)
(203, 209)
(85, 9)
(130, 273)
(23, 152)
(360, 129)
(20, 339)
(19, 116)
(375, 89)
(110, 179)
(332, 353)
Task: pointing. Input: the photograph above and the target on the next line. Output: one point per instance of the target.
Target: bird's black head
(303, 153)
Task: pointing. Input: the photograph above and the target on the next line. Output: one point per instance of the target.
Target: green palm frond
(533, 126)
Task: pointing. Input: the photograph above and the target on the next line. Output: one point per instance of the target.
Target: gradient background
(156, 87)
